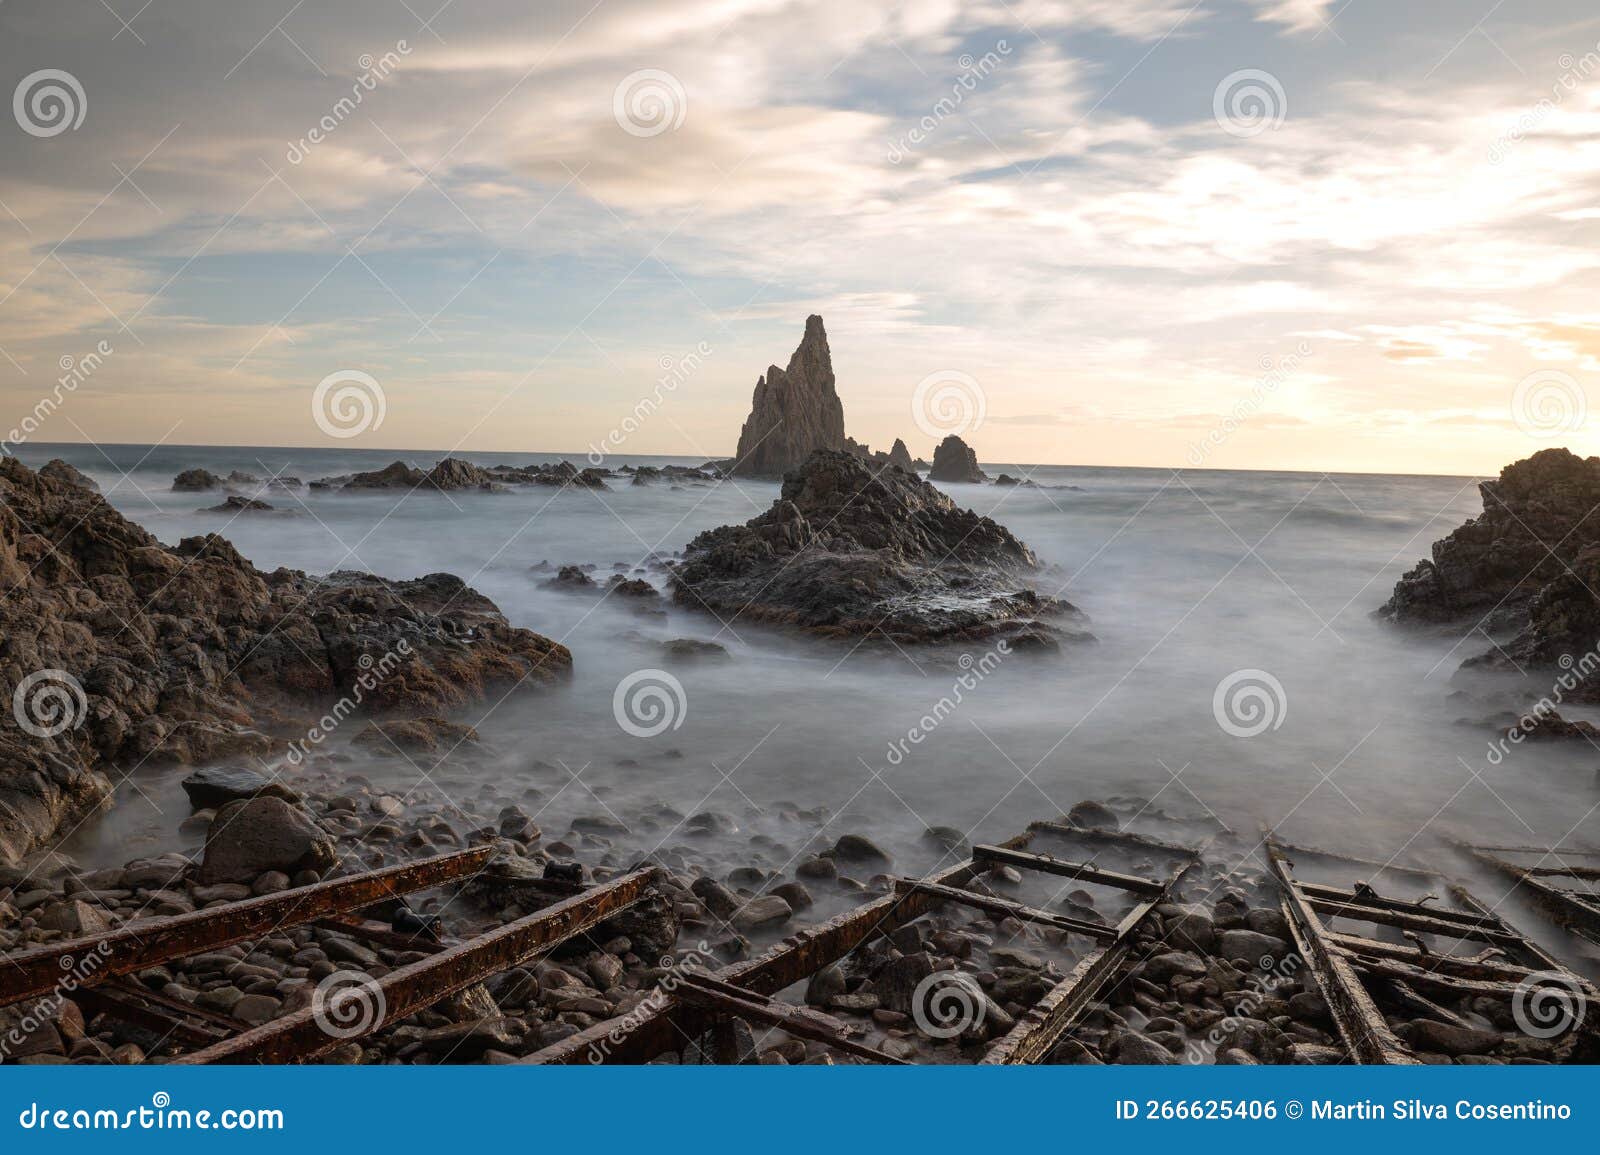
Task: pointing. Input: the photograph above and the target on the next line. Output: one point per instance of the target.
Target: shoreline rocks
(125, 650)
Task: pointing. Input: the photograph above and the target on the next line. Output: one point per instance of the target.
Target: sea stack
(954, 460)
(795, 411)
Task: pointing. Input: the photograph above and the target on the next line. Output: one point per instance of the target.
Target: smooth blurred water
(1187, 577)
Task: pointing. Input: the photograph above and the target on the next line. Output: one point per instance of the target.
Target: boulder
(237, 504)
(214, 786)
(250, 837)
(196, 481)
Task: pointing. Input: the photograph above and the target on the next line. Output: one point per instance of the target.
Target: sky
(1256, 234)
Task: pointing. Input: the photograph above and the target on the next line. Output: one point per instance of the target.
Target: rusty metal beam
(1043, 1025)
(402, 992)
(1005, 908)
(723, 998)
(128, 1002)
(1360, 911)
(154, 941)
(664, 1024)
(1569, 910)
(1367, 1035)
(1082, 871)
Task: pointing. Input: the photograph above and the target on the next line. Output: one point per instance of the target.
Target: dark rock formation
(847, 550)
(58, 470)
(215, 786)
(196, 481)
(121, 650)
(454, 474)
(794, 412)
(900, 456)
(1525, 570)
(954, 460)
(237, 504)
(1536, 520)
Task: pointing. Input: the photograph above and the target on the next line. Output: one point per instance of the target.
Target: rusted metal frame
(171, 1018)
(1317, 890)
(1420, 1004)
(1123, 838)
(1450, 985)
(1006, 908)
(1366, 1033)
(404, 991)
(652, 1030)
(1406, 920)
(1081, 871)
(723, 998)
(1444, 965)
(1041, 1027)
(1529, 954)
(139, 945)
(1567, 908)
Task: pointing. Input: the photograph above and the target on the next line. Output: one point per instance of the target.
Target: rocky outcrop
(58, 470)
(795, 411)
(119, 650)
(954, 460)
(1536, 521)
(196, 481)
(900, 456)
(454, 474)
(848, 550)
(1525, 571)
(237, 504)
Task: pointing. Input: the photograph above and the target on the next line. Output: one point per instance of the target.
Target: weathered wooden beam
(663, 1024)
(1367, 1035)
(301, 1036)
(1082, 871)
(1445, 965)
(724, 998)
(1006, 908)
(138, 945)
(1042, 1026)
(1291, 849)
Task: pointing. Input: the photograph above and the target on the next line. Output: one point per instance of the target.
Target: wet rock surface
(847, 551)
(954, 460)
(141, 653)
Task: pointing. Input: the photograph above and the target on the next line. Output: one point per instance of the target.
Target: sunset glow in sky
(1302, 234)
